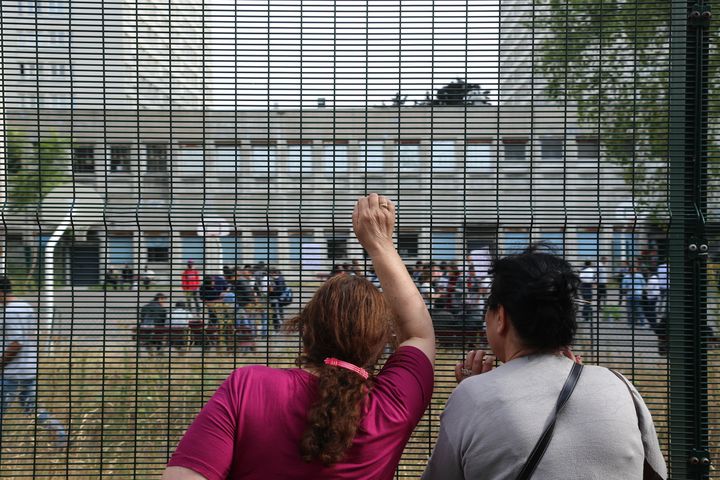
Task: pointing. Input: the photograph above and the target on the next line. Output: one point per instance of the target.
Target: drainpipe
(48, 315)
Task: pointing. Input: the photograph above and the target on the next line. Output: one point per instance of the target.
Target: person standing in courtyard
(128, 276)
(603, 279)
(588, 278)
(633, 289)
(190, 281)
(277, 286)
(153, 316)
(333, 417)
(18, 361)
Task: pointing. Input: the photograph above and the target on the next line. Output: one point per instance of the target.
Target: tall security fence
(212, 152)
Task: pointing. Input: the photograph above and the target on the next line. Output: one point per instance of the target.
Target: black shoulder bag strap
(542, 444)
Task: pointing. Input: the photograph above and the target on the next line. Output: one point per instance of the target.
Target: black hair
(5, 284)
(538, 291)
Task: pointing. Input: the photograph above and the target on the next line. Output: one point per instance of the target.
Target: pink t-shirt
(251, 427)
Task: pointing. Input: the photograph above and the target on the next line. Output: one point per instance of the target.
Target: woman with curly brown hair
(332, 417)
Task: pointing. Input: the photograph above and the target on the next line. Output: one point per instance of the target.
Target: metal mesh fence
(185, 148)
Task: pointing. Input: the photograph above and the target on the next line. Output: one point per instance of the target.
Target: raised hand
(374, 222)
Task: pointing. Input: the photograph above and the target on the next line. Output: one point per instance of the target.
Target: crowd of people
(231, 308)
(125, 278)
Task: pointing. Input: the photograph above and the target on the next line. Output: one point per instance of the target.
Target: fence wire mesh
(147, 143)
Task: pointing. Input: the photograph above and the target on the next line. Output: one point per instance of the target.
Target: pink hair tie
(348, 366)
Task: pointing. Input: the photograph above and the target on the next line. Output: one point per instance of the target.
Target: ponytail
(334, 417)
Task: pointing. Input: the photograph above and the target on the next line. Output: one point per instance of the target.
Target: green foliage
(610, 59)
(34, 170)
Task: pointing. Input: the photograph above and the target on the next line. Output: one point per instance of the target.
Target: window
(335, 157)
(120, 250)
(28, 69)
(120, 158)
(478, 156)
(371, 156)
(336, 246)
(84, 159)
(57, 69)
(190, 160)
(588, 148)
(262, 159)
(55, 7)
(297, 244)
(444, 245)
(515, 242)
(193, 248)
(299, 157)
(265, 248)
(227, 160)
(552, 149)
(555, 241)
(587, 244)
(444, 159)
(53, 39)
(231, 251)
(158, 249)
(28, 6)
(157, 157)
(408, 244)
(409, 155)
(515, 150)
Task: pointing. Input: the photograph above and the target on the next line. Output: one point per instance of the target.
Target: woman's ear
(503, 321)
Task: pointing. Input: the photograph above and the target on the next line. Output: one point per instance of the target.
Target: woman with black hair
(496, 416)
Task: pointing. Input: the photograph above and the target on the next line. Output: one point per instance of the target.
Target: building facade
(119, 55)
(278, 186)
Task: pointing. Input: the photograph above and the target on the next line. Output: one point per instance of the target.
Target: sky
(284, 52)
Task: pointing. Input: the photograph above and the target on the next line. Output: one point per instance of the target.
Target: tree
(34, 170)
(610, 59)
(456, 93)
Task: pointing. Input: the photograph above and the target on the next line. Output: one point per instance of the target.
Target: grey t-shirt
(18, 323)
(492, 422)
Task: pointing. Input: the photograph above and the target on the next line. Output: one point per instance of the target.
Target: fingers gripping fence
(178, 179)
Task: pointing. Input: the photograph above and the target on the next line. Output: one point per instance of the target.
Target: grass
(126, 411)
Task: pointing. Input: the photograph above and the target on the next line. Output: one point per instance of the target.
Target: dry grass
(126, 411)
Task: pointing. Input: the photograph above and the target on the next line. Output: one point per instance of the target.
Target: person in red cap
(190, 283)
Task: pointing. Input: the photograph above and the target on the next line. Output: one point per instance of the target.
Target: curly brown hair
(349, 319)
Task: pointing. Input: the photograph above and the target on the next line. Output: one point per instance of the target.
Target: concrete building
(278, 186)
(118, 55)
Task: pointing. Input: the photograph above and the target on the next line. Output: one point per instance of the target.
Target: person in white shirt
(652, 297)
(603, 278)
(18, 361)
(588, 278)
(180, 318)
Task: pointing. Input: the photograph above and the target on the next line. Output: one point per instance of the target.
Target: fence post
(687, 302)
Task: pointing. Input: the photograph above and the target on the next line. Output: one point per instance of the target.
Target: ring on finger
(465, 372)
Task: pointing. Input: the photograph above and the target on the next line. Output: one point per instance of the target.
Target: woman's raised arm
(374, 223)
